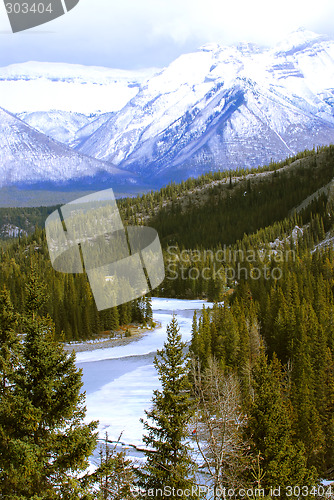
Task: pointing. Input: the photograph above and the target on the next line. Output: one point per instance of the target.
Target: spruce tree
(115, 474)
(169, 463)
(9, 341)
(269, 429)
(43, 441)
(36, 295)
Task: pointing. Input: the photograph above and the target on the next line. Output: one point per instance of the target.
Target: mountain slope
(29, 157)
(224, 107)
(61, 126)
(215, 109)
(218, 209)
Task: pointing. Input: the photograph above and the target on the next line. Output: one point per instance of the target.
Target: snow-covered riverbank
(119, 381)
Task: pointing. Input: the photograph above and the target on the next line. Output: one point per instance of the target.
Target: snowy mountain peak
(210, 47)
(249, 49)
(29, 157)
(223, 107)
(299, 40)
(32, 70)
(219, 107)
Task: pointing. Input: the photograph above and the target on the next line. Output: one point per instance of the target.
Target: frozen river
(119, 381)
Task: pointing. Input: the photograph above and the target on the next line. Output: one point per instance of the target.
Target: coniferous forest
(256, 383)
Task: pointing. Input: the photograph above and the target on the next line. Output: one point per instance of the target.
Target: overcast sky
(133, 34)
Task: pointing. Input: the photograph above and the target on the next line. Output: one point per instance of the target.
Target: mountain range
(29, 157)
(221, 107)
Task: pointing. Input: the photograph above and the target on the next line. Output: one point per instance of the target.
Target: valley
(256, 250)
(223, 374)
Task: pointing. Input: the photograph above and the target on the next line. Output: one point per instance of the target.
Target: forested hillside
(259, 245)
(69, 300)
(282, 307)
(219, 208)
(16, 222)
(202, 224)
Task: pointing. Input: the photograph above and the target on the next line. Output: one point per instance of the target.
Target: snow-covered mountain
(61, 126)
(87, 130)
(38, 86)
(28, 157)
(224, 107)
(217, 108)
(67, 127)
(59, 100)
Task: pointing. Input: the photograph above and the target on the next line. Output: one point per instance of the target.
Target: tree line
(254, 400)
(69, 300)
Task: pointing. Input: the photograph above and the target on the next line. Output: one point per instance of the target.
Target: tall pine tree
(269, 429)
(169, 464)
(44, 443)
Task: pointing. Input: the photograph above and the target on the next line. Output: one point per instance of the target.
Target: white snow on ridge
(218, 107)
(36, 86)
(44, 95)
(226, 98)
(34, 70)
(28, 156)
(61, 126)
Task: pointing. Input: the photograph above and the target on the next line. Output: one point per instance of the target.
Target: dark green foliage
(207, 212)
(114, 476)
(294, 317)
(25, 219)
(66, 298)
(36, 295)
(44, 443)
(269, 429)
(9, 341)
(287, 392)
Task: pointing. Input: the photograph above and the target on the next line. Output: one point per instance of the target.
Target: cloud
(227, 22)
(139, 33)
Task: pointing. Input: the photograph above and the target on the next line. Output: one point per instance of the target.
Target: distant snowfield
(44, 95)
(37, 86)
(120, 381)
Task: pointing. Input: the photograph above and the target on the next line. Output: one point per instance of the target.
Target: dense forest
(22, 221)
(260, 370)
(288, 320)
(201, 240)
(69, 300)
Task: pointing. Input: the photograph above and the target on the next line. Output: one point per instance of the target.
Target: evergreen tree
(36, 292)
(115, 475)
(269, 429)
(44, 442)
(9, 342)
(170, 463)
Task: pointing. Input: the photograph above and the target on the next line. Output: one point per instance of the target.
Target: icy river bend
(119, 381)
